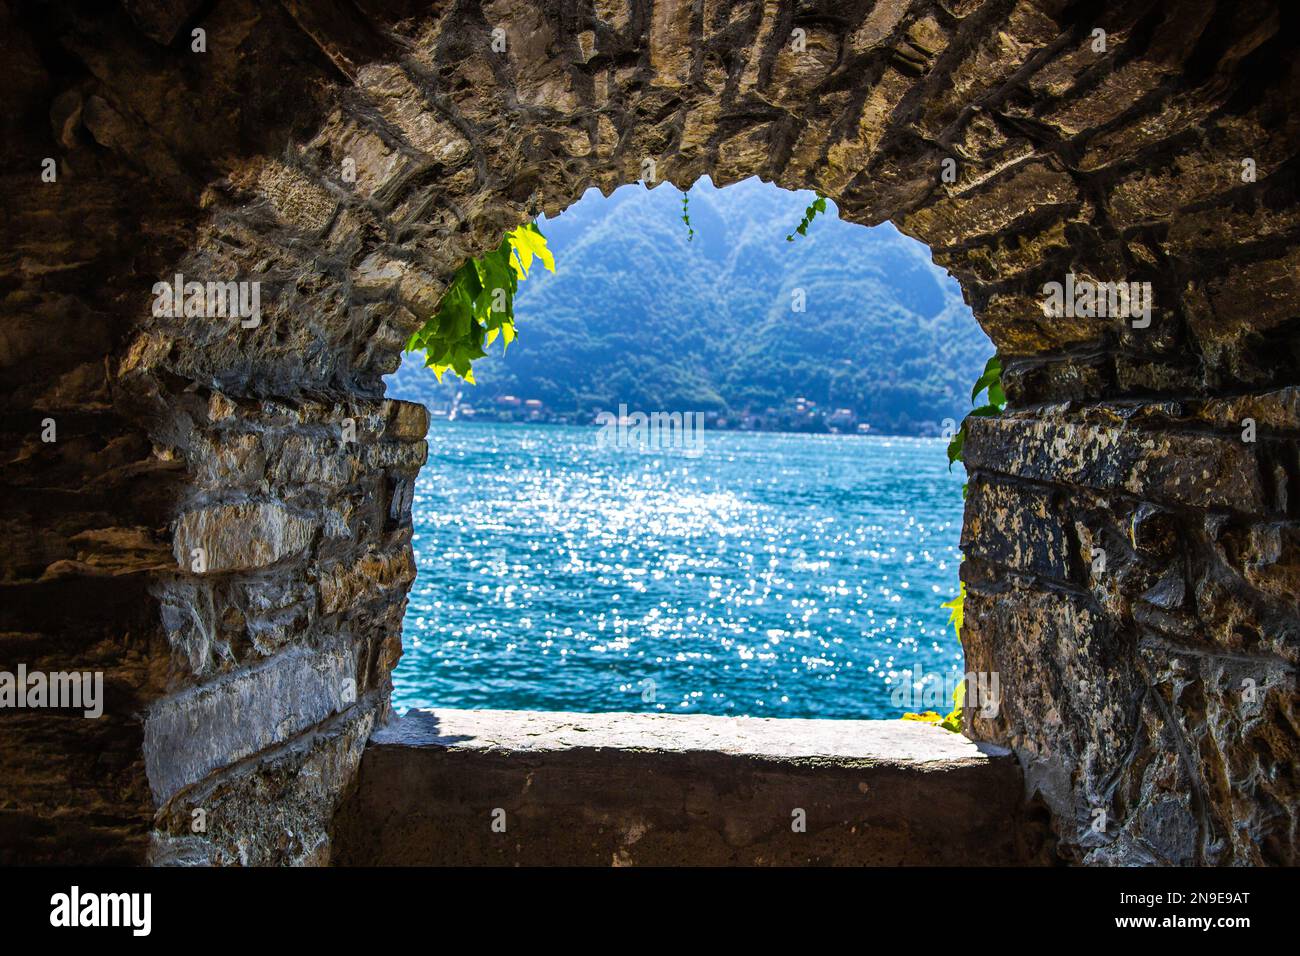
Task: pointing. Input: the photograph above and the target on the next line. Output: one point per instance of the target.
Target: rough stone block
(992, 209)
(197, 731)
(1015, 526)
(240, 537)
(1198, 470)
(297, 200)
(315, 460)
(408, 110)
(277, 811)
(406, 421)
(345, 585)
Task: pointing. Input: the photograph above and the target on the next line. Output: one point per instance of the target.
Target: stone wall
(997, 131)
(1132, 575)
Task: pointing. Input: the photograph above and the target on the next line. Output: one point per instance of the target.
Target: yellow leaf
(528, 242)
(953, 720)
(521, 271)
(957, 606)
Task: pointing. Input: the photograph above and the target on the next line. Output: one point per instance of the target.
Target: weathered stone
(1278, 411)
(191, 734)
(1017, 527)
(1260, 295)
(1198, 470)
(240, 537)
(997, 55)
(403, 105)
(614, 12)
(279, 813)
(403, 458)
(849, 154)
(315, 460)
(407, 421)
(296, 199)
(670, 42)
(1106, 101)
(233, 461)
(879, 24)
(362, 160)
(343, 586)
(1272, 563)
(1020, 324)
(996, 207)
(795, 72)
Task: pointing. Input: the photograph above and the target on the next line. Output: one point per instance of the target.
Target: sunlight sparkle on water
(554, 574)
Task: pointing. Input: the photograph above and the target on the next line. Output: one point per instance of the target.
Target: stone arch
(247, 691)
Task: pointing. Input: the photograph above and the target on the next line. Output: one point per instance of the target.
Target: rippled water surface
(775, 575)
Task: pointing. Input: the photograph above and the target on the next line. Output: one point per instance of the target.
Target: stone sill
(666, 789)
(843, 743)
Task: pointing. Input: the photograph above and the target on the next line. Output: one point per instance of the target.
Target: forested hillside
(637, 315)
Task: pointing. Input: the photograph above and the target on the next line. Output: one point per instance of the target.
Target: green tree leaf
(478, 305)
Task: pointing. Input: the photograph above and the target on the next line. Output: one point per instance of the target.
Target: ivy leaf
(953, 720)
(956, 607)
(996, 395)
(818, 205)
(956, 446)
(992, 376)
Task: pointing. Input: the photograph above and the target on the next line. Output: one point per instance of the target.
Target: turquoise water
(774, 575)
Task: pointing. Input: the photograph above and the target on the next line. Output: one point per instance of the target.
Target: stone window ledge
(491, 787)
(846, 743)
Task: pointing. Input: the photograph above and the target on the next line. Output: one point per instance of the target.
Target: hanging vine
(995, 401)
(990, 381)
(818, 206)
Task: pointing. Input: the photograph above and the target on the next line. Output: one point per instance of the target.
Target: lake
(774, 575)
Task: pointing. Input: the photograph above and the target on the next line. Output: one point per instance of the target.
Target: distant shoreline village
(799, 416)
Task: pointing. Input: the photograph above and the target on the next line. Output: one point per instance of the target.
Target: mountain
(636, 314)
